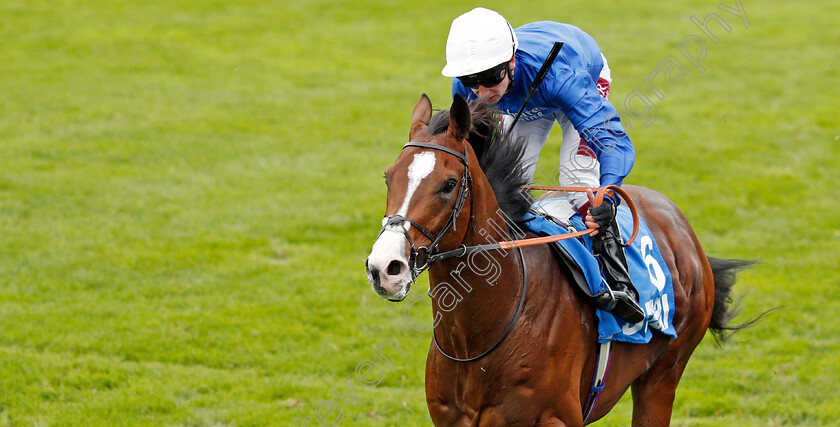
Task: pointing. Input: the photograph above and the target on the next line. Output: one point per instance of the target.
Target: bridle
(431, 253)
(425, 256)
(428, 255)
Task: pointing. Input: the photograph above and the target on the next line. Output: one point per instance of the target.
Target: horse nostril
(394, 268)
(374, 273)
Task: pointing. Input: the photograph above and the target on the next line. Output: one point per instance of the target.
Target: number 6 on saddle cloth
(555, 216)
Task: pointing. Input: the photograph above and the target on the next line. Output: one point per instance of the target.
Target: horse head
(426, 212)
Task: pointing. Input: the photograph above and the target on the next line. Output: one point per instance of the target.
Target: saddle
(647, 269)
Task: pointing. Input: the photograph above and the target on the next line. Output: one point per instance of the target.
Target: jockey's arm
(613, 149)
(598, 123)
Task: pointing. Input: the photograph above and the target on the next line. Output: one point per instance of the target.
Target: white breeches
(578, 165)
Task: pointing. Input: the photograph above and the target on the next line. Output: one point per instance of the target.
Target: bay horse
(514, 340)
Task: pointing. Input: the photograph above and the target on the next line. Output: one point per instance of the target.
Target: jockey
(488, 58)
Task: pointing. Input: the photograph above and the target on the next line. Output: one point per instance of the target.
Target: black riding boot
(610, 254)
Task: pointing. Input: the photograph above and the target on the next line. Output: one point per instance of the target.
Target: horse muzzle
(387, 267)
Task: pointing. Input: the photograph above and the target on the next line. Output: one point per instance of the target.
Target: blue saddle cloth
(647, 271)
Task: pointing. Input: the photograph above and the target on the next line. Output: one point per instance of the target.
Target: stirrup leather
(622, 296)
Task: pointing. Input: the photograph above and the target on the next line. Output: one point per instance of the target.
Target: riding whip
(537, 82)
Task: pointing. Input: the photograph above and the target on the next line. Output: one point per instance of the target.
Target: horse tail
(725, 272)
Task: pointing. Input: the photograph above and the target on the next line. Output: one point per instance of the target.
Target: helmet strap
(510, 78)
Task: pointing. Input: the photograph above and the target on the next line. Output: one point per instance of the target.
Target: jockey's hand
(600, 216)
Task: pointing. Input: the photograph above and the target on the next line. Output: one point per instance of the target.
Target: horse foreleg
(552, 422)
(653, 394)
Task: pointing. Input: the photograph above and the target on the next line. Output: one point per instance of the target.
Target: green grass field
(188, 191)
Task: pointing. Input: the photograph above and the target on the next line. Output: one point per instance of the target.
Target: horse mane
(499, 157)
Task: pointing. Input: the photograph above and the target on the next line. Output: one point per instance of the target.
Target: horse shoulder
(563, 323)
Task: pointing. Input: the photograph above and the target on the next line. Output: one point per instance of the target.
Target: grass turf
(188, 191)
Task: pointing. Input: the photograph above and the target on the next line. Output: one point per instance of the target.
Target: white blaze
(420, 168)
(391, 244)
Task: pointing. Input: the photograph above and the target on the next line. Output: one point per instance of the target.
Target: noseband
(424, 255)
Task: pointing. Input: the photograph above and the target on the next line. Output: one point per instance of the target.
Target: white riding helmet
(478, 40)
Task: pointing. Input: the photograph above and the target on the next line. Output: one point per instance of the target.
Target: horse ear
(459, 118)
(420, 117)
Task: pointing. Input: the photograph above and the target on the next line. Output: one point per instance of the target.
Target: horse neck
(476, 296)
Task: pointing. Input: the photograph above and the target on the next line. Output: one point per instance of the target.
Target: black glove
(604, 214)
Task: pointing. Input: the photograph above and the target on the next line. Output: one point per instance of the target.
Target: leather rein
(533, 241)
(431, 255)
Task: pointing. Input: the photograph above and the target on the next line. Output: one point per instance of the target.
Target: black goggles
(486, 78)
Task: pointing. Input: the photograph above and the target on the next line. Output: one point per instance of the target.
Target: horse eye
(449, 186)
